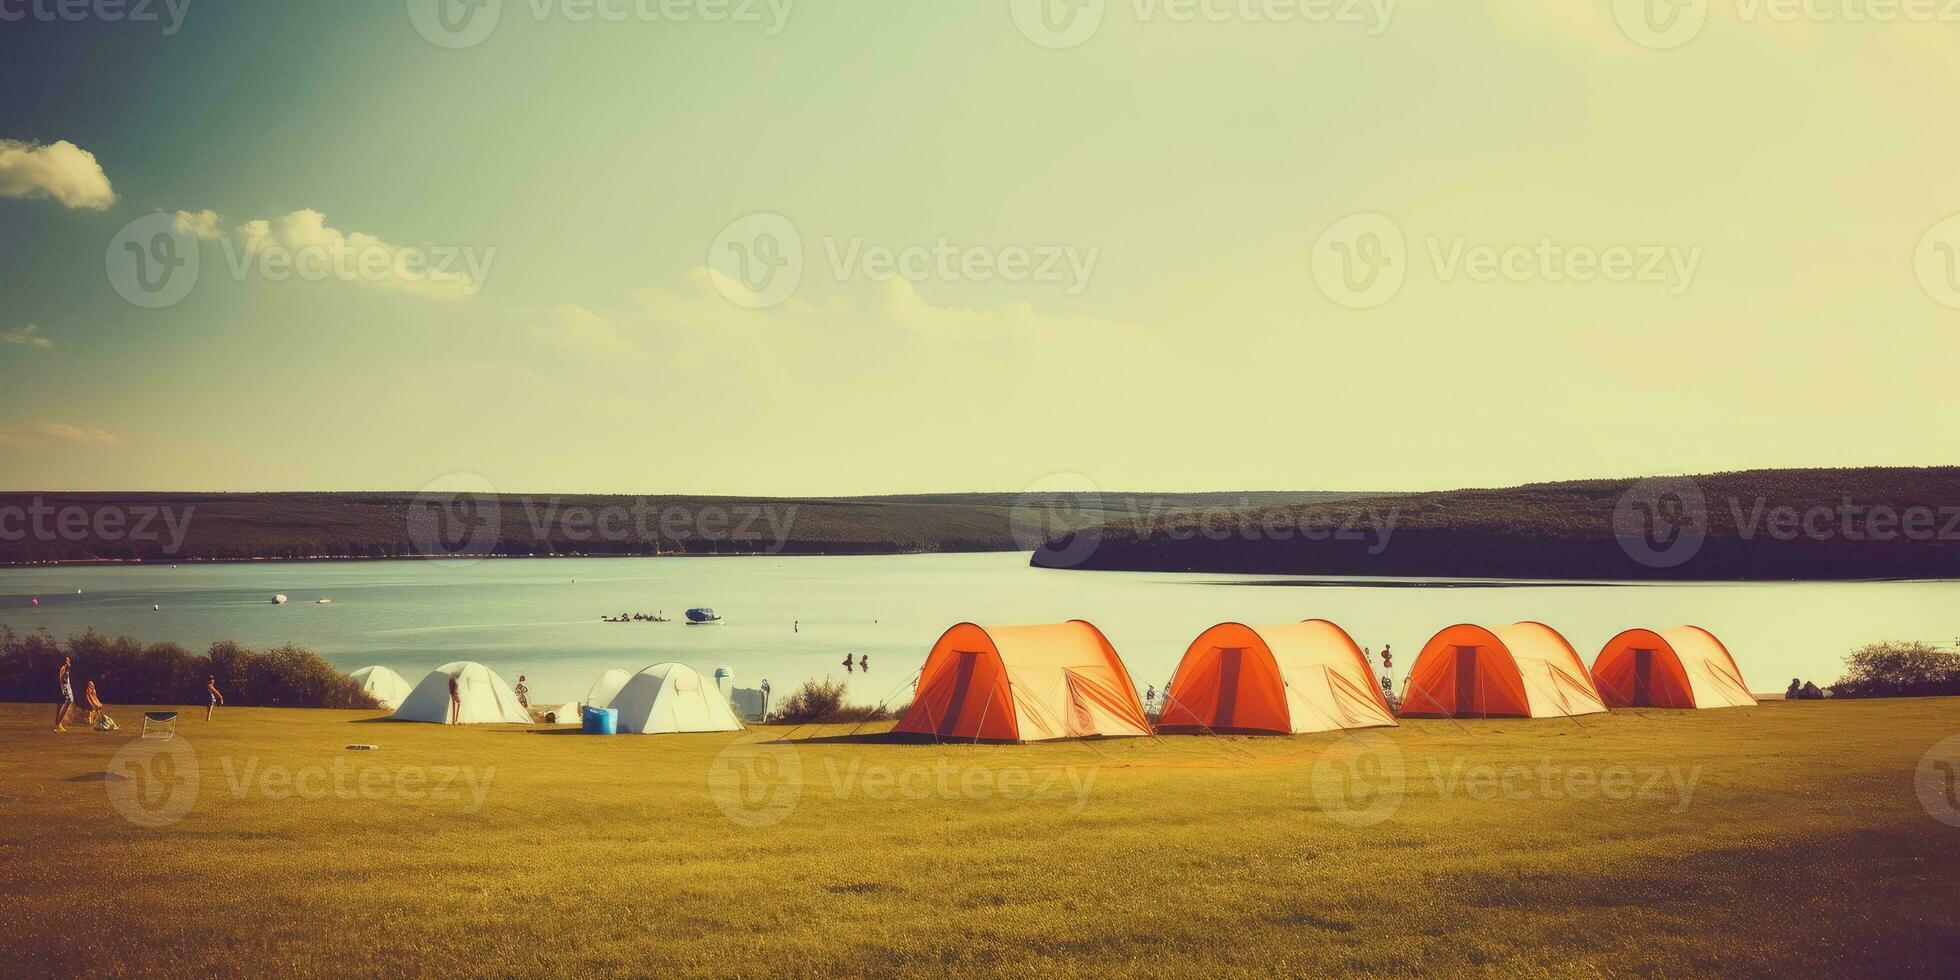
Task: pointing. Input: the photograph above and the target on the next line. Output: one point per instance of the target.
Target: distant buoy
(156, 608)
(33, 602)
(78, 592)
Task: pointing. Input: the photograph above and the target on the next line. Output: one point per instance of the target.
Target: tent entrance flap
(962, 683)
(1230, 661)
(1643, 678)
(1466, 679)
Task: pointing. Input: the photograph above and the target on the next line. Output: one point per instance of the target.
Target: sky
(829, 247)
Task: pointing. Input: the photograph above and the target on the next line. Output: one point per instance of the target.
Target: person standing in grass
(523, 693)
(455, 702)
(65, 696)
(211, 688)
(94, 702)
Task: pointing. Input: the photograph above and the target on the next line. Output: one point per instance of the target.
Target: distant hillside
(1766, 524)
(43, 527)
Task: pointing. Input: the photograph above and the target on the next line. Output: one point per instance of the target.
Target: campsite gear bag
(104, 723)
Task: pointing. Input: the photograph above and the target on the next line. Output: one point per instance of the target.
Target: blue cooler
(601, 721)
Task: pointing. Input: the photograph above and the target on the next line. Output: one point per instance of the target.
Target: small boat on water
(279, 600)
(702, 617)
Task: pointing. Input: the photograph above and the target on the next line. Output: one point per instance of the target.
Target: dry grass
(1802, 849)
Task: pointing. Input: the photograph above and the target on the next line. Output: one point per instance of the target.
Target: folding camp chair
(161, 725)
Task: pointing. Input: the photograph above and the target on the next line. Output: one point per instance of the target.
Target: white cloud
(693, 323)
(77, 433)
(303, 244)
(203, 224)
(59, 170)
(27, 336)
(581, 331)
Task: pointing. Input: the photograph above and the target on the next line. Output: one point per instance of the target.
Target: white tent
(567, 714)
(606, 688)
(385, 685)
(672, 698)
(486, 699)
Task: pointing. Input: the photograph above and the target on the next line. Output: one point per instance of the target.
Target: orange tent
(1526, 670)
(1024, 684)
(1683, 667)
(1298, 677)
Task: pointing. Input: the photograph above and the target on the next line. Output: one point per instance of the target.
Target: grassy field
(1785, 839)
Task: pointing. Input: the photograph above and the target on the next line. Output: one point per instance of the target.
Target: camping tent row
(1039, 683)
(1061, 681)
(661, 699)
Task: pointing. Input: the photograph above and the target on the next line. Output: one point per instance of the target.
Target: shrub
(822, 703)
(127, 672)
(1892, 670)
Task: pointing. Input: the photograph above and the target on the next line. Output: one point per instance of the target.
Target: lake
(792, 618)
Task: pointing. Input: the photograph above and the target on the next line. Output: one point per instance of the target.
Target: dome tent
(1525, 670)
(486, 699)
(1683, 667)
(1293, 678)
(1024, 684)
(606, 688)
(384, 685)
(668, 698)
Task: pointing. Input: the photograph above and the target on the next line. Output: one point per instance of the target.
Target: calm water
(541, 618)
